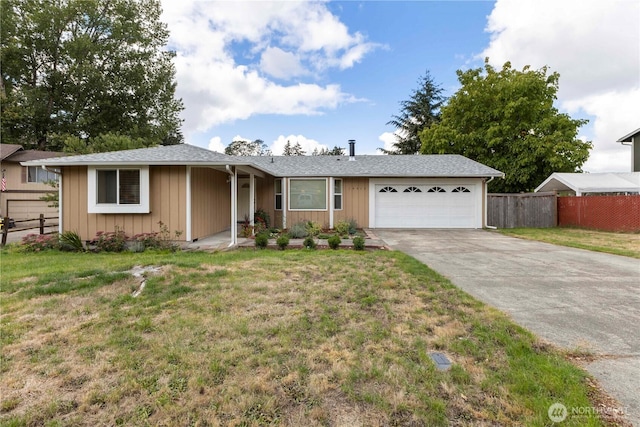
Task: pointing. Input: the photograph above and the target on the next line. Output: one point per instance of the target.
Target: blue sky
(320, 73)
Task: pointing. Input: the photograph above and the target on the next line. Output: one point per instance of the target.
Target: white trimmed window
(118, 190)
(308, 194)
(278, 193)
(337, 194)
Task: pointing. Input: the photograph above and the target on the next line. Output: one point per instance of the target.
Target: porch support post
(234, 208)
(252, 200)
(188, 233)
(285, 202)
(331, 200)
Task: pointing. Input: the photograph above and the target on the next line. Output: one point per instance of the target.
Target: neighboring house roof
(15, 153)
(628, 137)
(627, 182)
(8, 149)
(295, 166)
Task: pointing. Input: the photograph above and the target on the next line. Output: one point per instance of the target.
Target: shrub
(155, 239)
(313, 228)
(334, 241)
(39, 242)
(358, 243)
(262, 216)
(70, 241)
(298, 231)
(283, 242)
(309, 243)
(353, 226)
(111, 241)
(262, 240)
(342, 228)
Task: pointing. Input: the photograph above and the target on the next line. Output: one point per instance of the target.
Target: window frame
(276, 194)
(38, 170)
(338, 194)
(117, 208)
(326, 195)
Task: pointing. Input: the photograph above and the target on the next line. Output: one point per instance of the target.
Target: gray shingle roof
(439, 165)
(179, 154)
(442, 165)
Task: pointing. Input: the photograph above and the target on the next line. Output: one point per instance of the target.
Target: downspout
(234, 223)
(486, 204)
(57, 172)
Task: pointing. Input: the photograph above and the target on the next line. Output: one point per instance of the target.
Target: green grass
(626, 244)
(264, 338)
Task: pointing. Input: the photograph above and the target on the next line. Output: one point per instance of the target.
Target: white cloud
(281, 64)
(389, 138)
(226, 51)
(215, 144)
(594, 46)
(308, 145)
(616, 114)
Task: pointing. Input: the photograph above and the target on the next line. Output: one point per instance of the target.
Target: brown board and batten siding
(355, 205)
(167, 186)
(355, 202)
(210, 202)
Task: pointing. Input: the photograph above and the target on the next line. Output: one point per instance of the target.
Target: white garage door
(426, 206)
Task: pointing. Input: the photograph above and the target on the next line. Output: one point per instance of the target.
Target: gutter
(234, 203)
(486, 207)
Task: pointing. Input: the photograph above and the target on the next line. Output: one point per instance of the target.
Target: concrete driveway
(570, 297)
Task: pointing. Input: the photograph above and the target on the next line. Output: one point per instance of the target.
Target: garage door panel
(418, 205)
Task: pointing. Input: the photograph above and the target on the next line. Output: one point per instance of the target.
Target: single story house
(633, 139)
(23, 186)
(592, 183)
(200, 192)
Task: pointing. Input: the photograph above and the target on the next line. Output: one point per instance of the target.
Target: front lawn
(627, 244)
(252, 338)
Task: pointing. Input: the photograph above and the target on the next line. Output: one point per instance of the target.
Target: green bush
(39, 242)
(358, 243)
(334, 241)
(342, 228)
(309, 243)
(262, 240)
(313, 228)
(111, 241)
(283, 241)
(70, 241)
(298, 231)
(262, 216)
(353, 226)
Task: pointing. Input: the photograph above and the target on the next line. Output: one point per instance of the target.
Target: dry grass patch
(270, 338)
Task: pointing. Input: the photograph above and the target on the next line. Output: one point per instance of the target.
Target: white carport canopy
(582, 183)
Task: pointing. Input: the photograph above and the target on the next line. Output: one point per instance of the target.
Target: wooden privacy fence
(15, 227)
(522, 210)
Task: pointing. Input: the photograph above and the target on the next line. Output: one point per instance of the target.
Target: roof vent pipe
(352, 150)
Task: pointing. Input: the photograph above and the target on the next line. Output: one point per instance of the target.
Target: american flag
(4, 184)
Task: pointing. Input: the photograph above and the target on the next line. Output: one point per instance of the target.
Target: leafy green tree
(506, 119)
(335, 151)
(103, 143)
(75, 68)
(293, 150)
(247, 148)
(418, 113)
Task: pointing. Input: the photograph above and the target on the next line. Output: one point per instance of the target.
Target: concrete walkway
(573, 298)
